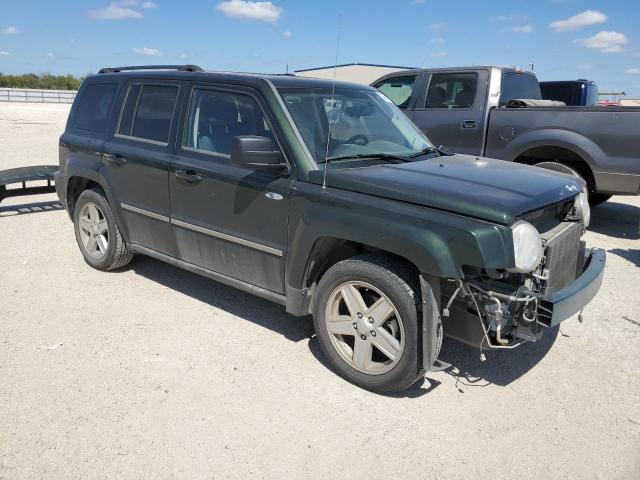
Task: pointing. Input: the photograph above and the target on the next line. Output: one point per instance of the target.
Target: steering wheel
(363, 139)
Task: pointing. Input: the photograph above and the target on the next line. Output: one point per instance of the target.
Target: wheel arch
(81, 175)
(561, 146)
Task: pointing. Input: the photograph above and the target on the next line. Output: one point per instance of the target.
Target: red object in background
(608, 103)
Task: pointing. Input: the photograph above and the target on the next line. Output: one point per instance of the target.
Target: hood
(484, 188)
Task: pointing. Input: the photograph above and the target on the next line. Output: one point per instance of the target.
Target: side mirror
(257, 153)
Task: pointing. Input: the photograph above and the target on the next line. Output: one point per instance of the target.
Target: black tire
(117, 254)
(596, 199)
(399, 283)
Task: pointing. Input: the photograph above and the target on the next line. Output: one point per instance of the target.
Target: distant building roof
(354, 64)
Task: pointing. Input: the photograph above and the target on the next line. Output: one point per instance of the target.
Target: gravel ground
(159, 373)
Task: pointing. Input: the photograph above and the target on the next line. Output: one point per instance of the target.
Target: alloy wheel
(94, 230)
(365, 327)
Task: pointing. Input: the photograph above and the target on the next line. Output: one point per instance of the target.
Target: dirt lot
(164, 374)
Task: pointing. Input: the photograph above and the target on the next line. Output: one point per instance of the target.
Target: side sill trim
(146, 213)
(206, 231)
(219, 277)
(230, 238)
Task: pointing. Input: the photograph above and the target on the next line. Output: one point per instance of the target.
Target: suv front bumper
(568, 301)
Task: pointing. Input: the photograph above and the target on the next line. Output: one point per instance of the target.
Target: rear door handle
(469, 124)
(115, 159)
(189, 176)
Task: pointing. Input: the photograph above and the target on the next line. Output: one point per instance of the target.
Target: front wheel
(366, 320)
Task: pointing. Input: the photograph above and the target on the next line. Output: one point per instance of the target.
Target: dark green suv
(326, 199)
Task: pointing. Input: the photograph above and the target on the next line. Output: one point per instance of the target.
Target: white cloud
(10, 30)
(183, 55)
(246, 10)
(510, 18)
(632, 71)
(4, 53)
(605, 42)
(437, 41)
(113, 12)
(636, 54)
(287, 33)
(437, 26)
(51, 55)
(519, 29)
(148, 5)
(152, 52)
(584, 19)
(439, 54)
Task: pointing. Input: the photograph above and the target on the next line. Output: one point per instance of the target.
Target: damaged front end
(503, 308)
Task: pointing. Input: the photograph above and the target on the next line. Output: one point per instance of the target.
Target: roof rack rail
(182, 68)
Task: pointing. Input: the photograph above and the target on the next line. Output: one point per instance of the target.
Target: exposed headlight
(527, 246)
(582, 207)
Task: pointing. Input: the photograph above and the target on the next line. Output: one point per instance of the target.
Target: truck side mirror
(257, 153)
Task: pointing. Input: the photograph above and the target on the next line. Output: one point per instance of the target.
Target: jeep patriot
(325, 198)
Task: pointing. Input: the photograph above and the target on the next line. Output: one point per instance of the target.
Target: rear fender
(88, 168)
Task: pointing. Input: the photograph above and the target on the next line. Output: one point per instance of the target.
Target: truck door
(452, 111)
(136, 161)
(228, 219)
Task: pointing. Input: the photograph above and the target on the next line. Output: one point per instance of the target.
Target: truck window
(94, 107)
(519, 85)
(215, 117)
(148, 111)
(398, 90)
(452, 90)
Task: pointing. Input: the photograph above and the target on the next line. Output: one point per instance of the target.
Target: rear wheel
(97, 234)
(594, 198)
(366, 320)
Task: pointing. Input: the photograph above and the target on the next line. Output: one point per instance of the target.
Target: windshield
(355, 123)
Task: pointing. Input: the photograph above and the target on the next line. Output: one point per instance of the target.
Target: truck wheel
(97, 233)
(366, 320)
(594, 198)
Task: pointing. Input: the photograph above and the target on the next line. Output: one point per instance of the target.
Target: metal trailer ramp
(22, 176)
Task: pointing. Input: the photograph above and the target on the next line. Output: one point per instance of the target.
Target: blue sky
(565, 39)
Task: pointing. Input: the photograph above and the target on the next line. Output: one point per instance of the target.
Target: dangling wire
(333, 91)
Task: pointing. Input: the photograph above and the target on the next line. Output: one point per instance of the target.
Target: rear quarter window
(519, 86)
(93, 109)
(148, 111)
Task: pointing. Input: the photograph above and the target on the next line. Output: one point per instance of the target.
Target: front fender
(438, 243)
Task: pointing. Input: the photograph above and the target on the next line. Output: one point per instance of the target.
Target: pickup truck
(325, 198)
(467, 109)
(573, 93)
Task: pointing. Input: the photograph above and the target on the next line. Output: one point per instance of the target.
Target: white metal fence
(36, 96)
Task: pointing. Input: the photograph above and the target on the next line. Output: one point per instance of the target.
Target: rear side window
(148, 111)
(398, 90)
(94, 107)
(519, 86)
(452, 90)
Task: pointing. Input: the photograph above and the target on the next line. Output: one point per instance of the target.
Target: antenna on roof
(331, 105)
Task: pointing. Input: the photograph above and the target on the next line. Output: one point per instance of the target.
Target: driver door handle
(469, 125)
(115, 159)
(189, 176)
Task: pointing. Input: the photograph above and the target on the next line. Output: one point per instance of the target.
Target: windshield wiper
(380, 155)
(431, 151)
